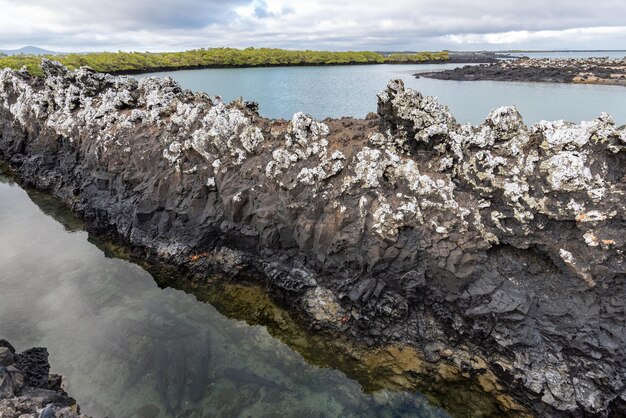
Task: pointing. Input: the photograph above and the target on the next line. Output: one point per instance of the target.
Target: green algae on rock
(390, 374)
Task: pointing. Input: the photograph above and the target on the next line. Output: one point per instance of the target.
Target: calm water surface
(131, 349)
(351, 91)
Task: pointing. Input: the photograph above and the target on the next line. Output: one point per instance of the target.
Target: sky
(391, 25)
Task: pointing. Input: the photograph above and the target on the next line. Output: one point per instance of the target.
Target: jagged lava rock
(28, 390)
(499, 240)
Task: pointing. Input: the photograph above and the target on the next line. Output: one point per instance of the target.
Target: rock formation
(607, 71)
(500, 241)
(28, 390)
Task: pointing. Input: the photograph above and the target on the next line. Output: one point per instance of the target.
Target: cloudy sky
(160, 25)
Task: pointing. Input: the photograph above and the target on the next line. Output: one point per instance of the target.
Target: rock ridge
(498, 241)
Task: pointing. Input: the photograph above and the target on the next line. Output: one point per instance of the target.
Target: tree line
(137, 62)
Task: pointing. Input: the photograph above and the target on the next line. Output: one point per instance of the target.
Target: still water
(351, 91)
(571, 54)
(131, 349)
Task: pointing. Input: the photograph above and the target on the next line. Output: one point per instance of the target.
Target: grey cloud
(142, 14)
(261, 11)
(328, 24)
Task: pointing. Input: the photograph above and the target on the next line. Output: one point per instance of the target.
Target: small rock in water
(27, 389)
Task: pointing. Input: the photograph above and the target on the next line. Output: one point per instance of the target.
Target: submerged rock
(28, 390)
(498, 248)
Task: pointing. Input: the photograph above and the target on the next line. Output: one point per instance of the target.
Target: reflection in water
(131, 349)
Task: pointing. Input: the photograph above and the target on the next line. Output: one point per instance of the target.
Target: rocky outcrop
(28, 390)
(497, 248)
(547, 70)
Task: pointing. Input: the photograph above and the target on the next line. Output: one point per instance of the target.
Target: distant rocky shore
(458, 57)
(549, 70)
(496, 251)
(28, 390)
(476, 57)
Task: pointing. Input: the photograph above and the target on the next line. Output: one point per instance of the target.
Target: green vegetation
(18, 61)
(417, 57)
(136, 62)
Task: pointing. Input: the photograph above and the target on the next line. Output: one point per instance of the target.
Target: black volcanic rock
(34, 363)
(498, 249)
(545, 70)
(27, 389)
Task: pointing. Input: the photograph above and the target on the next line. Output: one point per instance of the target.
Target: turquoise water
(351, 91)
(128, 348)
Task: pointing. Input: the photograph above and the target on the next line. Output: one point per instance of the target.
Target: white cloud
(525, 37)
(69, 25)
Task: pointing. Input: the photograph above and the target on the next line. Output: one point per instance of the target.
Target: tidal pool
(129, 348)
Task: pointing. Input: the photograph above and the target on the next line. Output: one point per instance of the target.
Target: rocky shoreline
(464, 57)
(547, 70)
(476, 57)
(496, 249)
(28, 390)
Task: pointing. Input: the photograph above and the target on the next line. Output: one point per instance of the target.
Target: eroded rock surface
(28, 390)
(500, 242)
(609, 71)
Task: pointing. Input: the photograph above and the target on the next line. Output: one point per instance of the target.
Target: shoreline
(394, 367)
(209, 67)
(116, 63)
(387, 239)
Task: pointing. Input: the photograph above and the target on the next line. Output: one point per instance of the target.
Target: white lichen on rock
(567, 171)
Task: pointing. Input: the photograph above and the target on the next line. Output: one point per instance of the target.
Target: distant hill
(28, 50)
